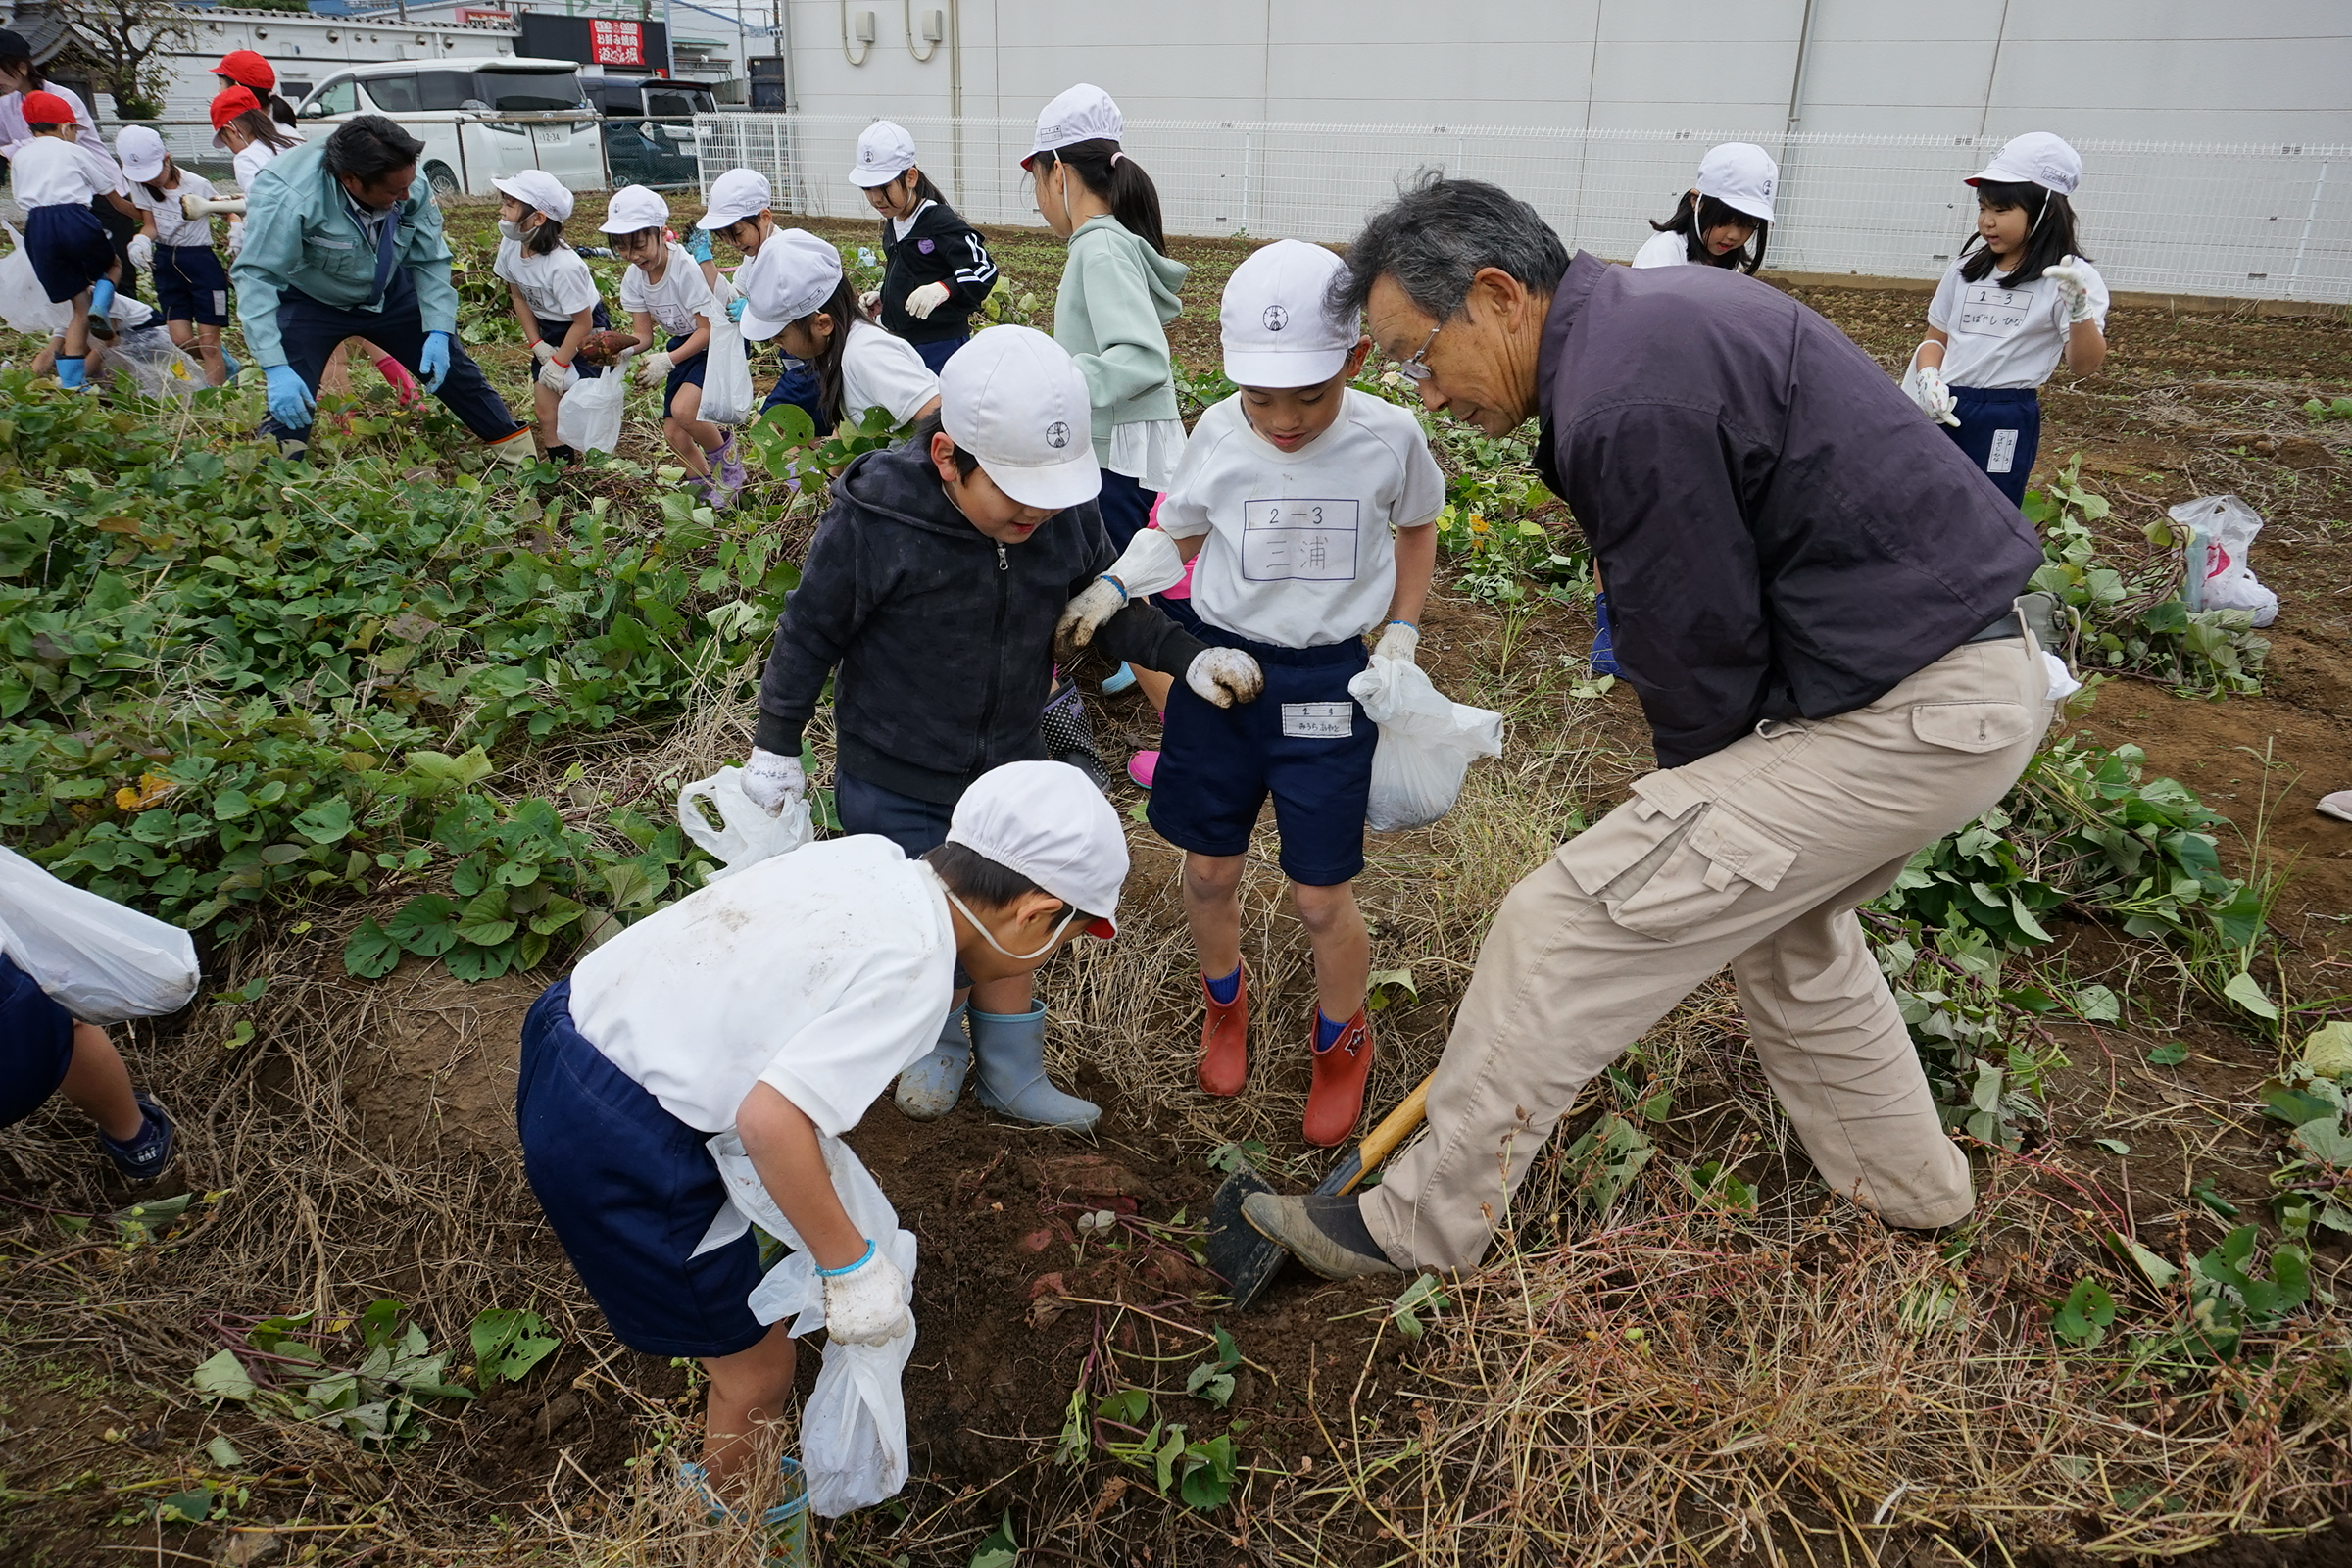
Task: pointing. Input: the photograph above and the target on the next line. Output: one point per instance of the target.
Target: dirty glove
(923, 301)
(542, 350)
(434, 364)
(2074, 286)
(867, 1304)
(1399, 641)
(1225, 676)
(290, 402)
(142, 253)
(557, 376)
(868, 300)
(770, 780)
(1933, 398)
(653, 368)
(1150, 564)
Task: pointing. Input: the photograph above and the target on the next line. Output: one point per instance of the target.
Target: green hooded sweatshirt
(1118, 297)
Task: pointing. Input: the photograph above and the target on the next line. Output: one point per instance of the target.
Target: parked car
(658, 149)
(479, 118)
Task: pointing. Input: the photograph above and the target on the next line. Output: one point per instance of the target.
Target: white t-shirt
(823, 973)
(256, 156)
(881, 370)
(901, 228)
(171, 225)
(51, 171)
(1664, 250)
(674, 302)
(1300, 552)
(14, 133)
(556, 286)
(2005, 338)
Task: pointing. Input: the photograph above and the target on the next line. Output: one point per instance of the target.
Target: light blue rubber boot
(929, 1090)
(1012, 1047)
(102, 310)
(71, 373)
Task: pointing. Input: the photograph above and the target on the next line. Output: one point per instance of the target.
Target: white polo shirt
(172, 227)
(880, 369)
(1668, 249)
(823, 973)
(2005, 338)
(556, 286)
(1300, 550)
(51, 171)
(683, 295)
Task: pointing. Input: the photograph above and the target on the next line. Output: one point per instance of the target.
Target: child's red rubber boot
(1225, 1038)
(1337, 1099)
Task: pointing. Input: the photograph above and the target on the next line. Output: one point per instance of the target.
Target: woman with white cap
(1725, 219)
(936, 272)
(2018, 299)
(795, 291)
(191, 288)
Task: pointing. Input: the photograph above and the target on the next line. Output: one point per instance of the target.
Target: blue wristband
(1405, 623)
(1124, 595)
(849, 1268)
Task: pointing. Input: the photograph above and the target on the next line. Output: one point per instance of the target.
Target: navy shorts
(916, 827)
(630, 1191)
(190, 285)
(70, 249)
(797, 383)
(1305, 741)
(2001, 433)
(686, 373)
(553, 333)
(937, 353)
(1125, 505)
(37, 1041)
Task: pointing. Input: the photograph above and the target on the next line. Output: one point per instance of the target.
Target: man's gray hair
(1438, 235)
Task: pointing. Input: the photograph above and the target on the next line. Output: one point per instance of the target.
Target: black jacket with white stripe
(941, 248)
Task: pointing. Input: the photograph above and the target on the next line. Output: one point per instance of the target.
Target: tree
(127, 44)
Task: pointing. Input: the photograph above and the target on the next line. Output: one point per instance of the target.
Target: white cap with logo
(791, 275)
(884, 152)
(736, 195)
(140, 152)
(1277, 329)
(1741, 175)
(539, 190)
(1049, 822)
(1085, 113)
(2038, 157)
(635, 207)
(1015, 399)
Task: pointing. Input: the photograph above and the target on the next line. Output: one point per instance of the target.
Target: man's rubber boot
(929, 1090)
(1012, 1047)
(1225, 1039)
(517, 451)
(1324, 1232)
(1337, 1099)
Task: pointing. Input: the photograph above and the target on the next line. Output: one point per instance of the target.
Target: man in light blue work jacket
(343, 239)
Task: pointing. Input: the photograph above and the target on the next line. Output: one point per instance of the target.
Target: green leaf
(2113, 1146)
(326, 822)
(371, 952)
(2084, 1317)
(427, 925)
(2155, 1270)
(223, 1453)
(507, 1345)
(484, 921)
(185, 1507)
(2247, 991)
(2097, 1004)
(224, 1377)
(2169, 1054)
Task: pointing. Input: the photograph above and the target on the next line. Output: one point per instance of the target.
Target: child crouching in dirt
(56, 180)
(777, 1004)
(1287, 496)
(933, 585)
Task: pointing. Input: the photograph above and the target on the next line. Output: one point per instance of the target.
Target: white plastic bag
(24, 304)
(1426, 744)
(854, 1427)
(728, 397)
(588, 419)
(2221, 533)
(99, 961)
(750, 835)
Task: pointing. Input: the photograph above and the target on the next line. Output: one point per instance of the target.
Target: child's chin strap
(1069, 913)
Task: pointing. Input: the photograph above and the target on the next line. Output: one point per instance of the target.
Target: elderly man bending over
(1817, 599)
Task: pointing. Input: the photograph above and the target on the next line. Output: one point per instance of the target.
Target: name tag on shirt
(1318, 721)
(1991, 311)
(1304, 539)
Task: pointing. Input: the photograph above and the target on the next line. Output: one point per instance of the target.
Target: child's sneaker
(148, 1155)
(1144, 767)
(1337, 1099)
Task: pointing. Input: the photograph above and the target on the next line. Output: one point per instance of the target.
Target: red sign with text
(616, 43)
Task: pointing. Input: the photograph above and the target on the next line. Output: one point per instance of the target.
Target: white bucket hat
(885, 151)
(1741, 175)
(1085, 113)
(1015, 399)
(140, 152)
(791, 275)
(1047, 820)
(1277, 329)
(540, 190)
(2038, 157)
(635, 207)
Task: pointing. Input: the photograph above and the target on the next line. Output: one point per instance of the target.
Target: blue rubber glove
(735, 309)
(434, 364)
(290, 402)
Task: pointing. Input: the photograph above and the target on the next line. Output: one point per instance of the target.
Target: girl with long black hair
(1725, 219)
(936, 270)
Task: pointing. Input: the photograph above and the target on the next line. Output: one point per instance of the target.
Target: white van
(481, 119)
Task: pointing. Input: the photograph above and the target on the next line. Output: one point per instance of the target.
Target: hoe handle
(1393, 1129)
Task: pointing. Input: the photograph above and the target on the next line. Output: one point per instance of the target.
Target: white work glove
(542, 350)
(557, 377)
(923, 301)
(1148, 565)
(770, 780)
(1225, 676)
(142, 253)
(1399, 641)
(868, 300)
(1933, 398)
(236, 235)
(868, 1305)
(2073, 287)
(1084, 615)
(653, 368)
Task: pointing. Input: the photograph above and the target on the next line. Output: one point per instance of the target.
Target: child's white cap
(1085, 113)
(790, 276)
(736, 195)
(1015, 399)
(1277, 329)
(540, 191)
(1741, 175)
(635, 207)
(2038, 157)
(1046, 820)
(140, 151)
(884, 152)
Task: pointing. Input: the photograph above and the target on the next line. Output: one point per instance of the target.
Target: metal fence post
(2311, 215)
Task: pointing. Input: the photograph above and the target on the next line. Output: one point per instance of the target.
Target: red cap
(247, 70)
(230, 104)
(47, 109)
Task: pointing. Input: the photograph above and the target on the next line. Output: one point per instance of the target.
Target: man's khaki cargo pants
(1754, 857)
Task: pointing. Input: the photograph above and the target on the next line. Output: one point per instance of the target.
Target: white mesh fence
(2265, 221)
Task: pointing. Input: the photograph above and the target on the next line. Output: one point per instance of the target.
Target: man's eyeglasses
(1417, 368)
